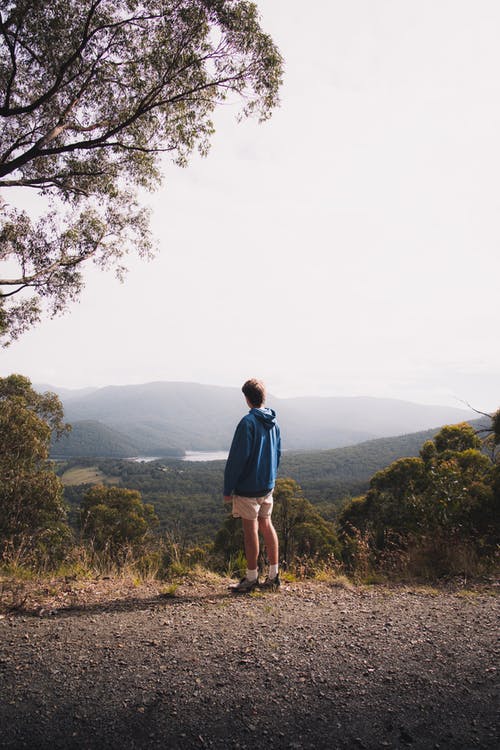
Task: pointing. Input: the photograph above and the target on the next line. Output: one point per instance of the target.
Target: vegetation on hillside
(187, 495)
(438, 511)
(114, 518)
(431, 514)
(33, 518)
(91, 438)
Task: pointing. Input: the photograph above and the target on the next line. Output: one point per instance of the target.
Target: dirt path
(310, 667)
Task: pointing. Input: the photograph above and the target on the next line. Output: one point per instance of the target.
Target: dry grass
(335, 580)
(87, 475)
(46, 593)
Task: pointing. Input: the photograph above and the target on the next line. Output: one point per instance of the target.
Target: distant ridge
(168, 418)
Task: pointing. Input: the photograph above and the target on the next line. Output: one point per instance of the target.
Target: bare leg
(268, 531)
(251, 540)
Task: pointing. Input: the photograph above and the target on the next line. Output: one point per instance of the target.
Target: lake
(189, 456)
(205, 456)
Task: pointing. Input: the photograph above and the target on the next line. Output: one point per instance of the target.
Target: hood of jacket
(266, 416)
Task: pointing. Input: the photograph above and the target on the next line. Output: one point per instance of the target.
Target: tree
(115, 517)
(491, 433)
(229, 539)
(495, 427)
(302, 531)
(93, 93)
(394, 500)
(457, 437)
(32, 510)
(446, 493)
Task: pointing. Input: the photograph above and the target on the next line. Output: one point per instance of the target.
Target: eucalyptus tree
(92, 94)
(32, 510)
(115, 519)
(449, 495)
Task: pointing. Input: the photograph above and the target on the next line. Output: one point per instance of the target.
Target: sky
(347, 247)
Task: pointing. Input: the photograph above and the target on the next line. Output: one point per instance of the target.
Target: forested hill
(169, 418)
(92, 438)
(328, 476)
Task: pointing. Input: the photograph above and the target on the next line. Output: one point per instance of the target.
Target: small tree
(115, 518)
(228, 541)
(394, 500)
(33, 522)
(302, 531)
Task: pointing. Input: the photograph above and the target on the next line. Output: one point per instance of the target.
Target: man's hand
(228, 498)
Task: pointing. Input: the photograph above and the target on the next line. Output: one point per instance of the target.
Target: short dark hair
(255, 392)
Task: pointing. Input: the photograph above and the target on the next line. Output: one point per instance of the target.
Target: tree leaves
(32, 510)
(92, 94)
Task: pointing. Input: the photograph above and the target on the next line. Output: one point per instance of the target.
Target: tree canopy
(92, 94)
(32, 509)
(113, 517)
(449, 493)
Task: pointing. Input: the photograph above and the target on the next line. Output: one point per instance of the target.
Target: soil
(312, 666)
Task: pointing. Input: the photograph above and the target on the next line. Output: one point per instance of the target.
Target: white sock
(252, 575)
(273, 571)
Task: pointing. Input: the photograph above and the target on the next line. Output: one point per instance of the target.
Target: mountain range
(169, 418)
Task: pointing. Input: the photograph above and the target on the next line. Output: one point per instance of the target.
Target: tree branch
(11, 294)
(61, 262)
(86, 37)
(18, 143)
(11, 46)
(137, 114)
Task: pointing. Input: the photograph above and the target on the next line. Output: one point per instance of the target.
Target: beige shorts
(251, 508)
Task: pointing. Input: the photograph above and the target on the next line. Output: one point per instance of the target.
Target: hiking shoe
(271, 584)
(244, 586)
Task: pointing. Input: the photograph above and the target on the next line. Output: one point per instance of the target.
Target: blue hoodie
(254, 456)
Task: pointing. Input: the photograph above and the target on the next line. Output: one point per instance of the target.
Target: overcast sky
(349, 246)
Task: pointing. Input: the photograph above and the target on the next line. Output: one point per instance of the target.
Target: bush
(429, 516)
(116, 521)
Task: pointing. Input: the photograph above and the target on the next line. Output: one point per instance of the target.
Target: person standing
(249, 479)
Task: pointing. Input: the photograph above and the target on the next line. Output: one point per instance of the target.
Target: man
(249, 480)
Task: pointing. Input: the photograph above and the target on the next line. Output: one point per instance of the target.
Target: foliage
(115, 518)
(491, 432)
(32, 510)
(457, 437)
(94, 92)
(186, 496)
(188, 493)
(445, 497)
(17, 390)
(302, 530)
(229, 539)
(495, 426)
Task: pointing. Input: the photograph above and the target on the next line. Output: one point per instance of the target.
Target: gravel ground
(312, 666)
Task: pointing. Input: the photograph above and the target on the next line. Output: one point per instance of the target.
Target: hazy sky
(349, 246)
